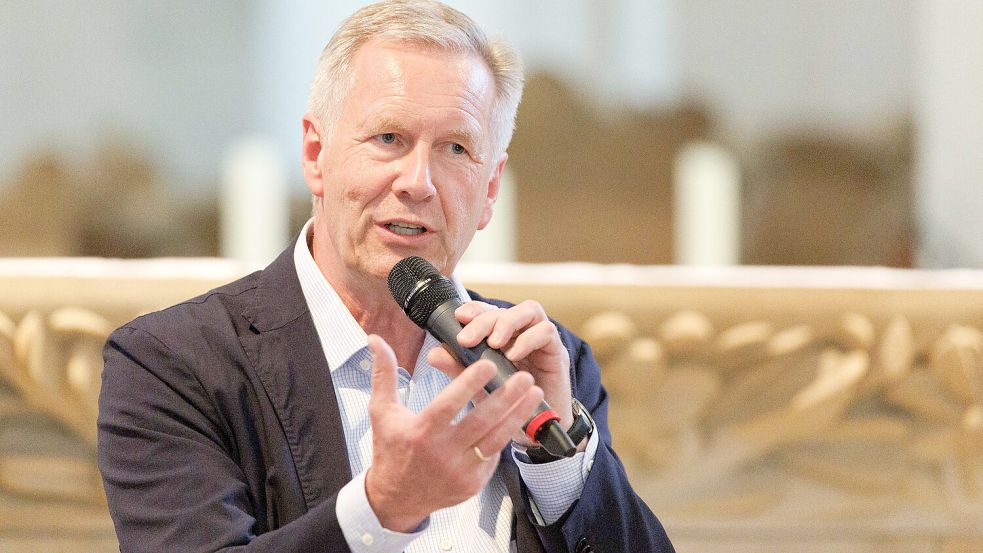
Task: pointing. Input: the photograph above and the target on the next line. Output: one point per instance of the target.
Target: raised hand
(424, 462)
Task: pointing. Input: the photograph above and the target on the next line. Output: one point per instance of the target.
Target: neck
(368, 299)
(376, 312)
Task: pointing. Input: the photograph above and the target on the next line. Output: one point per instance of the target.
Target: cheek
(359, 184)
(465, 206)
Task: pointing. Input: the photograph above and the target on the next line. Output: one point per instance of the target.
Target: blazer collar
(278, 298)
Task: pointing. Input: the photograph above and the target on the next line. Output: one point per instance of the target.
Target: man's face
(408, 168)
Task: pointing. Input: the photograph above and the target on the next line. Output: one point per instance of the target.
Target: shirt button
(446, 545)
(590, 465)
(365, 364)
(367, 539)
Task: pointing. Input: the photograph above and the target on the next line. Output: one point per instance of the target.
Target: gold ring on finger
(481, 456)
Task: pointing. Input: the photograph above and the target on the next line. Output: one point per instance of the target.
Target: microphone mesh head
(419, 288)
(405, 275)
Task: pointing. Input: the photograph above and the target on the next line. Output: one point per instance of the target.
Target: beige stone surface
(756, 410)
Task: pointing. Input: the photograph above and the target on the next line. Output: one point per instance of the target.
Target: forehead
(391, 72)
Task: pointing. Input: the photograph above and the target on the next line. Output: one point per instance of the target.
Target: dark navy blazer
(219, 430)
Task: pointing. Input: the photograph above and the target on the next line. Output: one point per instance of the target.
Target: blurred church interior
(809, 330)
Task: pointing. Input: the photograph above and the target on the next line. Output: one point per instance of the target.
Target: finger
(500, 435)
(515, 320)
(449, 402)
(541, 336)
(472, 309)
(445, 362)
(384, 377)
(497, 326)
(480, 326)
(441, 359)
(494, 408)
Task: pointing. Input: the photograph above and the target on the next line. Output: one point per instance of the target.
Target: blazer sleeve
(609, 516)
(169, 466)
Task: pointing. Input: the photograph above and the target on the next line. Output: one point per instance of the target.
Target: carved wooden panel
(787, 410)
(55, 315)
(50, 365)
(756, 409)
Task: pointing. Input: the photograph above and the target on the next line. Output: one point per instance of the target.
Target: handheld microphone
(429, 299)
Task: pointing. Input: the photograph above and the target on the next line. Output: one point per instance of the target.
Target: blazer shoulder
(214, 308)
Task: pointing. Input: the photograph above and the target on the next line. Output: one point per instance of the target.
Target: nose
(414, 180)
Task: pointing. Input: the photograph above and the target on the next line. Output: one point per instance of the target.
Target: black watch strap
(581, 428)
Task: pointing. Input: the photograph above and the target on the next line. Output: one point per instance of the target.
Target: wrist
(579, 431)
(393, 514)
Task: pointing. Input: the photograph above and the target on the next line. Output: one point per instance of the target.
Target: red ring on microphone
(538, 421)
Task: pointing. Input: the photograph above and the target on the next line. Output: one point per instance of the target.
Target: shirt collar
(340, 334)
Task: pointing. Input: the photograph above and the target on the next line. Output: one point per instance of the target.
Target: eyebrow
(464, 135)
(387, 124)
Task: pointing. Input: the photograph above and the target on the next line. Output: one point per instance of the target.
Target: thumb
(383, 372)
(441, 359)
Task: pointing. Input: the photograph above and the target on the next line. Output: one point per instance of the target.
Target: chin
(378, 264)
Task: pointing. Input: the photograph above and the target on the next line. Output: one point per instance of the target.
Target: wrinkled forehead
(400, 83)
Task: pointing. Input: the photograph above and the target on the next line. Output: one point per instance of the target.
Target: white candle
(497, 241)
(254, 203)
(707, 206)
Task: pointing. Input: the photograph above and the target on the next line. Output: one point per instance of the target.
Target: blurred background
(757, 409)
(828, 132)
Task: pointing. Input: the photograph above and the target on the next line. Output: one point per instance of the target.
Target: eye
(458, 149)
(388, 138)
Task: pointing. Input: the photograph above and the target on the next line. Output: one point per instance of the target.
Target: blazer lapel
(284, 348)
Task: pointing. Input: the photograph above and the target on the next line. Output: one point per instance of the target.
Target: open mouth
(405, 229)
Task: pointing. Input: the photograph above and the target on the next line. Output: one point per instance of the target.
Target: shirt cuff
(362, 529)
(555, 486)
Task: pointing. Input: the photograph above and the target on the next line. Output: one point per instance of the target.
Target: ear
(494, 185)
(310, 154)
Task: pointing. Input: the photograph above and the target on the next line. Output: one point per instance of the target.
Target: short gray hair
(423, 22)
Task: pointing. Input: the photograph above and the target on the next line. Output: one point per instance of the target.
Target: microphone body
(430, 299)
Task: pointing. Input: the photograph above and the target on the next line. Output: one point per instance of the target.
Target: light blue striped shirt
(479, 524)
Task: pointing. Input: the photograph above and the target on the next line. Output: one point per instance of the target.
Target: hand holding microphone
(458, 459)
(524, 333)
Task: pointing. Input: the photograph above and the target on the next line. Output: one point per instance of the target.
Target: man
(299, 409)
